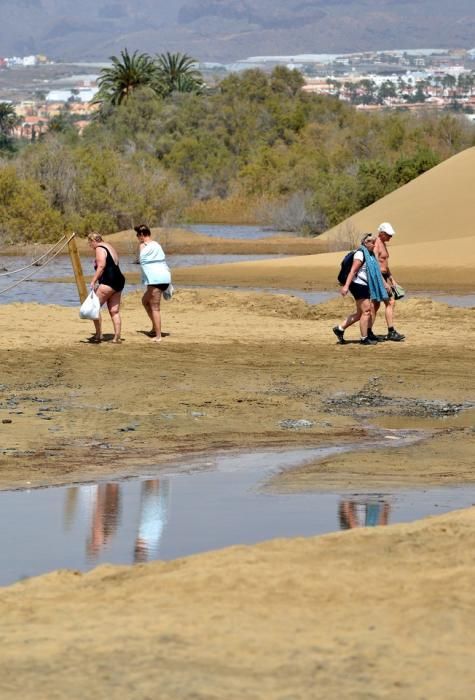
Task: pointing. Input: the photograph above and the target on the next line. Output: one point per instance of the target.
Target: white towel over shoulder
(154, 265)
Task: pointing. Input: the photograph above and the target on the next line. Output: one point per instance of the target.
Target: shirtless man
(385, 233)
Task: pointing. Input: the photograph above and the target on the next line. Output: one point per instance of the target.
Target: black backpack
(345, 268)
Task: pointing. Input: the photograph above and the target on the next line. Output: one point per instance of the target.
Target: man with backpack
(385, 234)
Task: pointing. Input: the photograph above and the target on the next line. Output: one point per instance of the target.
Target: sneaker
(339, 334)
(394, 335)
(377, 338)
(368, 341)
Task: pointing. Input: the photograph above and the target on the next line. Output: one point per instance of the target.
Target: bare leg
(104, 293)
(98, 328)
(151, 303)
(389, 312)
(146, 305)
(374, 310)
(352, 318)
(364, 307)
(113, 304)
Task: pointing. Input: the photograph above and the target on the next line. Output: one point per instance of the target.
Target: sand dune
(435, 206)
(438, 265)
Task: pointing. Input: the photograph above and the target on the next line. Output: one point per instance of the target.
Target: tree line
(162, 140)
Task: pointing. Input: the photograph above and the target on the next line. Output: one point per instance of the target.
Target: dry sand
(375, 613)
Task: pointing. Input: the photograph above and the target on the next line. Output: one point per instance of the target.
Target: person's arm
(351, 275)
(391, 279)
(101, 257)
(389, 282)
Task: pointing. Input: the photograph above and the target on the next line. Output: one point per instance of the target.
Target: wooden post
(77, 268)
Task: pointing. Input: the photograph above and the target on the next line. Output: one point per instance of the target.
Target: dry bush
(296, 214)
(232, 210)
(347, 237)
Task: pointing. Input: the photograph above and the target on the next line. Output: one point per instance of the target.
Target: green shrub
(25, 214)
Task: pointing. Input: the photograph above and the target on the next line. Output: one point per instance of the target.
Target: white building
(81, 94)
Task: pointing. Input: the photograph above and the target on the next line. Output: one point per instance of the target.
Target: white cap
(386, 228)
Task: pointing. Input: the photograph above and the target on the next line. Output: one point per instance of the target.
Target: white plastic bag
(91, 307)
(168, 292)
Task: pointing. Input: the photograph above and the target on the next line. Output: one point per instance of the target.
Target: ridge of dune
(434, 206)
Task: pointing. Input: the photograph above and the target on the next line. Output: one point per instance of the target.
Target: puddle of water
(215, 259)
(462, 300)
(208, 505)
(64, 294)
(319, 297)
(232, 231)
(35, 290)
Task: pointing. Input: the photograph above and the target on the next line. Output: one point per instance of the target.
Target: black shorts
(359, 291)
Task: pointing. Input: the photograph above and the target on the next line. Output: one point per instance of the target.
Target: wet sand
(246, 361)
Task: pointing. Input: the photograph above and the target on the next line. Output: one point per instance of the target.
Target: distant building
(79, 94)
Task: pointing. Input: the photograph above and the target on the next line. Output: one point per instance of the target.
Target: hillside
(225, 30)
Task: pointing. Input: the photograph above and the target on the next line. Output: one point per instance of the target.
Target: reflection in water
(135, 520)
(105, 517)
(363, 513)
(70, 506)
(99, 505)
(153, 518)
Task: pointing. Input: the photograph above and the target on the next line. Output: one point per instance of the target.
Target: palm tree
(177, 72)
(117, 83)
(8, 119)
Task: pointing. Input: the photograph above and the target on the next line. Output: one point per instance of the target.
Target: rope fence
(34, 263)
(52, 255)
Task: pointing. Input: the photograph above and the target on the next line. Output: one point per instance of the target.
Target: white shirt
(361, 276)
